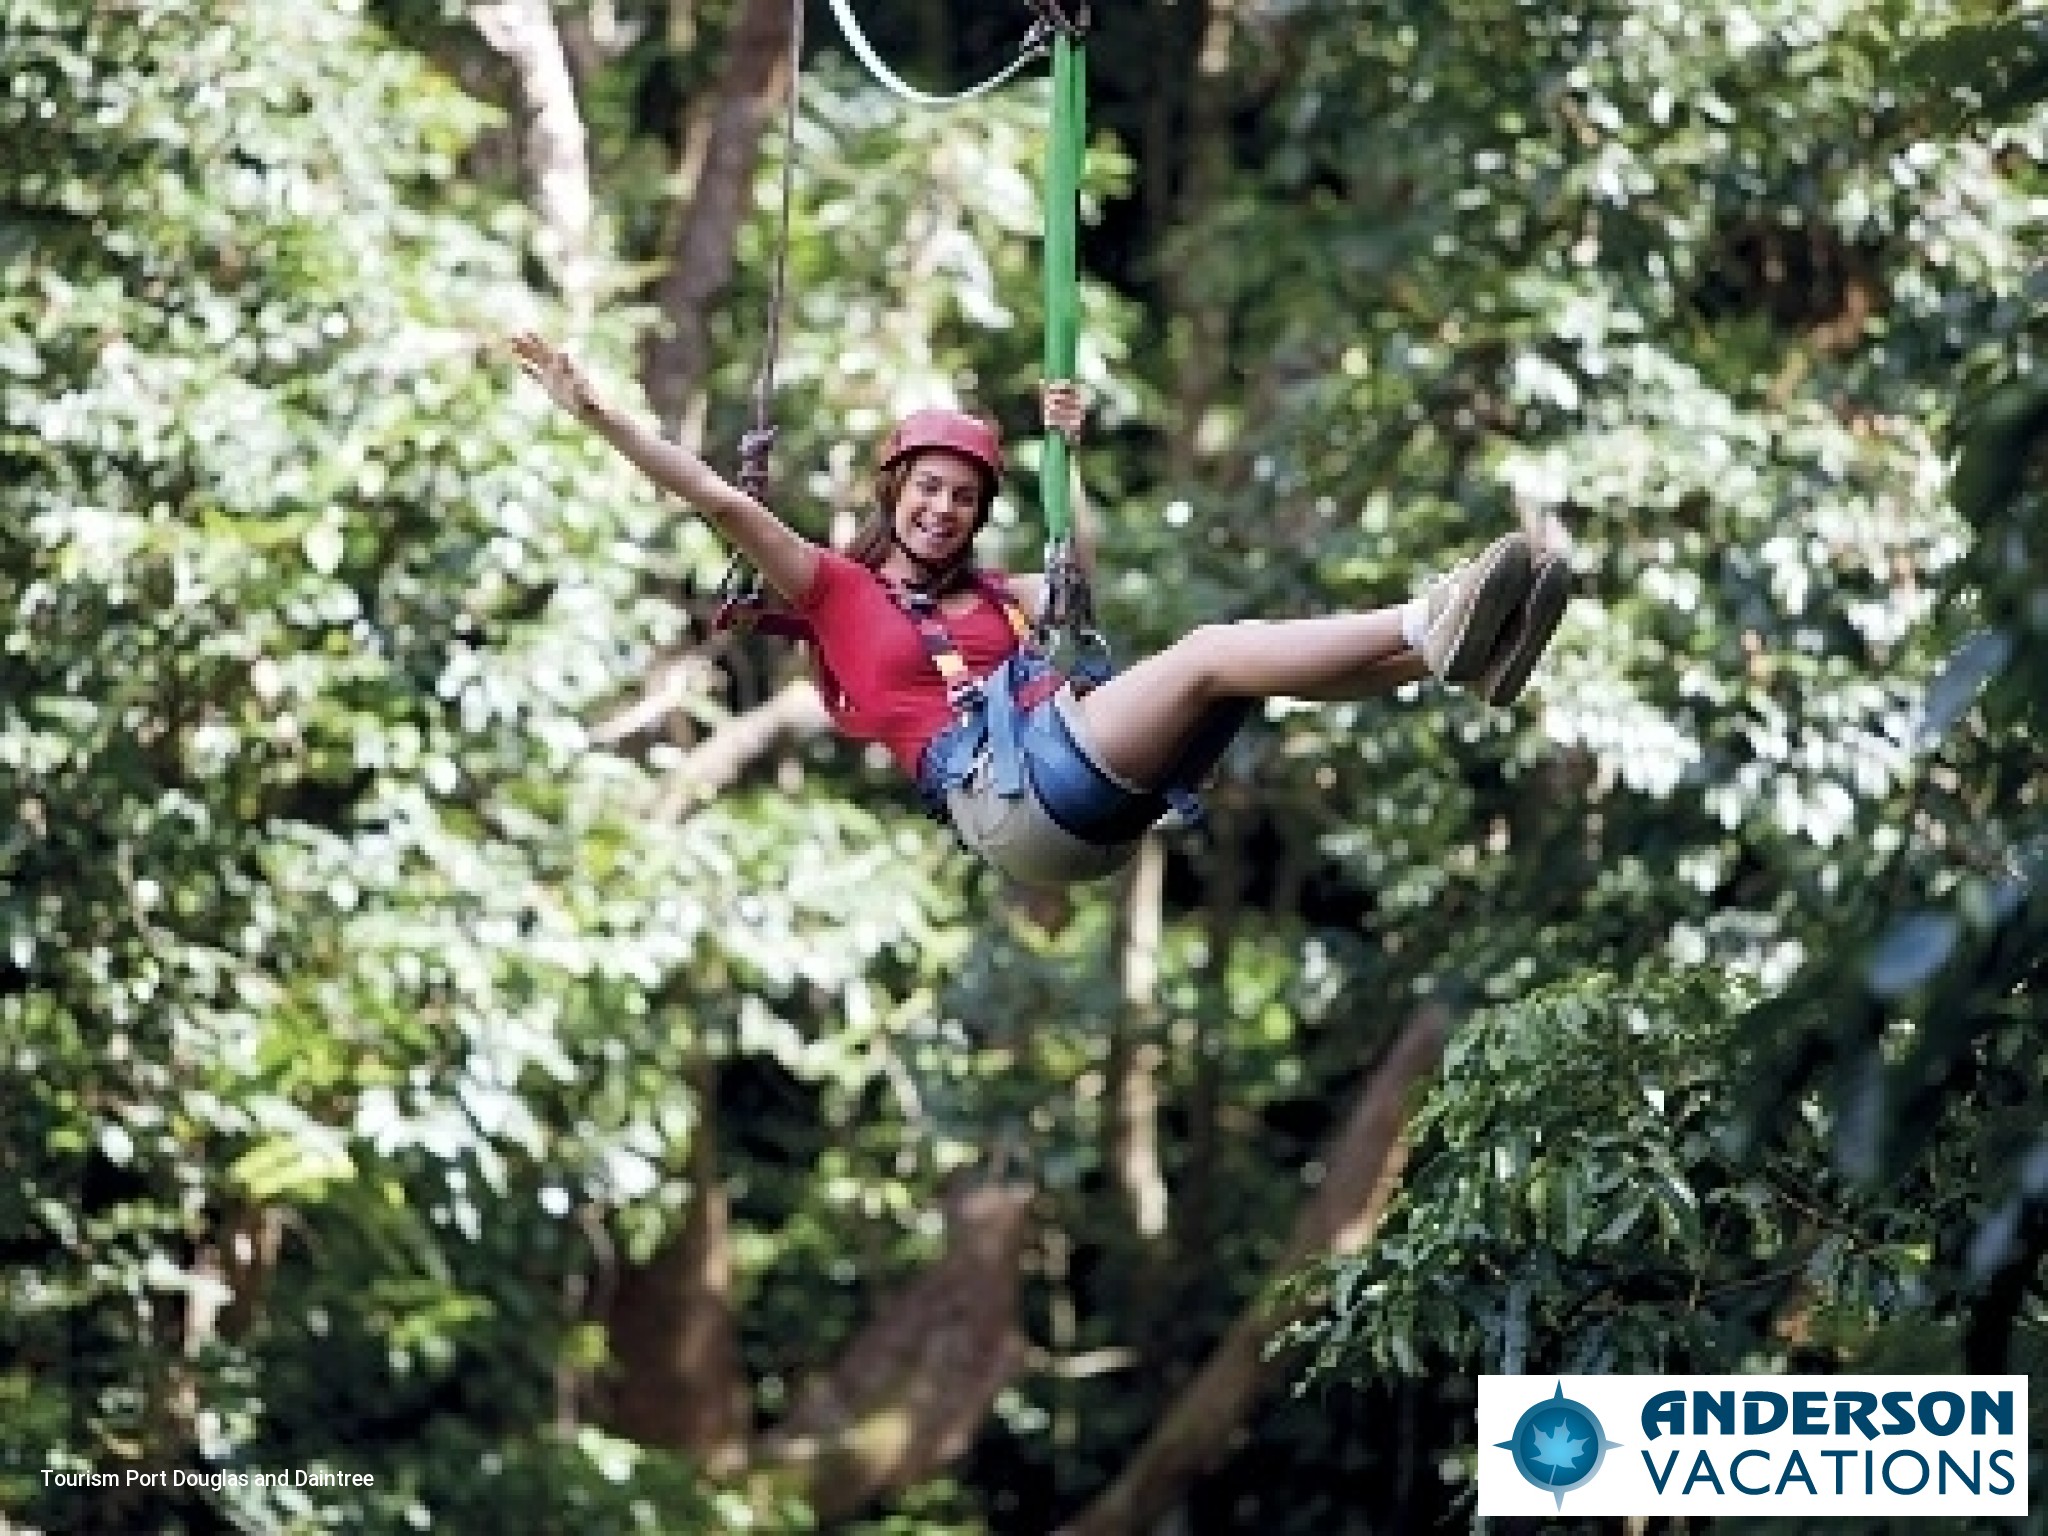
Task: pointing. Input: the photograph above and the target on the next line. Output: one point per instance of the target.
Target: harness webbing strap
(989, 710)
(963, 690)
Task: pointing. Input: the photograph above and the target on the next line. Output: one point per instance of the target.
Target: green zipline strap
(1066, 616)
(1064, 150)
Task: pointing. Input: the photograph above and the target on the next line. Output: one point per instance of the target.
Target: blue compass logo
(1558, 1444)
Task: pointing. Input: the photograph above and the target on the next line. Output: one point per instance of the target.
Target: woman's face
(939, 507)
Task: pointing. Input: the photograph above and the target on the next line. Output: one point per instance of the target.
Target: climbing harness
(1010, 724)
(964, 692)
(1013, 731)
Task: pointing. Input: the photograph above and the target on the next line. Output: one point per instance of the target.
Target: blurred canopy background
(462, 1022)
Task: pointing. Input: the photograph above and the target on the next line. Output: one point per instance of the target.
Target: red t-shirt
(878, 682)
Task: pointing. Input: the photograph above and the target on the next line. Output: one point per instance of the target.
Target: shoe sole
(1540, 615)
(1494, 599)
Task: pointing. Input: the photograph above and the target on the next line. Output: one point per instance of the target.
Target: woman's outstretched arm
(787, 561)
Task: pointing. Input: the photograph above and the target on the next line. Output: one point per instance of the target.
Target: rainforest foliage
(462, 1025)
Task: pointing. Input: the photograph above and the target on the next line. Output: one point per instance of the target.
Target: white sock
(1415, 622)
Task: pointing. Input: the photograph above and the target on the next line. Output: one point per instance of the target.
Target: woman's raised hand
(1063, 408)
(556, 372)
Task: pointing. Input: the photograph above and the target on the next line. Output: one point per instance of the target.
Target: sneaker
(1466, 611)
(1527, 632)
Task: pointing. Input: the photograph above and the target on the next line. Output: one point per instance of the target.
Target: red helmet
(941, 428)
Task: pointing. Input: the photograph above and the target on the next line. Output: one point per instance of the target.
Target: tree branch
(554, 151)
(1365, 1164)
(681, 1383)
(911, 1391)
(701, 260)
(672, 681)
(793, 710)
(1135, 1053)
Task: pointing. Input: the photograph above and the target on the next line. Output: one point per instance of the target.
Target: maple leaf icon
(1567, 1453)
(1559, 1449)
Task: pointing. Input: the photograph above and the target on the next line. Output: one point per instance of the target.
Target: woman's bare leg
(1139, 721)
(1397, 671)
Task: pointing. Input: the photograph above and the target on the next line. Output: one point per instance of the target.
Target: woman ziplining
(1053, 780)
(1051, 776)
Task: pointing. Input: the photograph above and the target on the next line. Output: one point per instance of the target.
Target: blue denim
(1039, 746)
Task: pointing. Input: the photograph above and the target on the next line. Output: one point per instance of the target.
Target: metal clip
(1051, 18)
(739, 597)
(754, 447)
(1067, 615)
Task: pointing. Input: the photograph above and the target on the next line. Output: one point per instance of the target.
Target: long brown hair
(876, 536)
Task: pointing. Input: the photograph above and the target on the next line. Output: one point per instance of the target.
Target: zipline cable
(864, 51)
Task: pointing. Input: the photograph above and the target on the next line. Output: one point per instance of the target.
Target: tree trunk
(553, 150)
(1223, 877)
(935, 40)
(700, 267)
(1135, 1054)
(1202, 327)
(1365, 1163)
(911, 1391)
(680, 1384)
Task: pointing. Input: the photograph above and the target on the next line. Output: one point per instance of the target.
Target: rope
(754, 445)
(864, 51)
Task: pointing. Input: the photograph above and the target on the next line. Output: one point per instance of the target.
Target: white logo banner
(1801, 1446)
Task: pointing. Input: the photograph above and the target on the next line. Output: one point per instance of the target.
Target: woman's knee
(1218, 651)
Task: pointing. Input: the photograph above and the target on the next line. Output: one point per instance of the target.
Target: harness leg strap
(1006, 758)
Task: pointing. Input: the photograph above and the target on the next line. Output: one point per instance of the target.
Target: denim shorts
(1075, 821)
